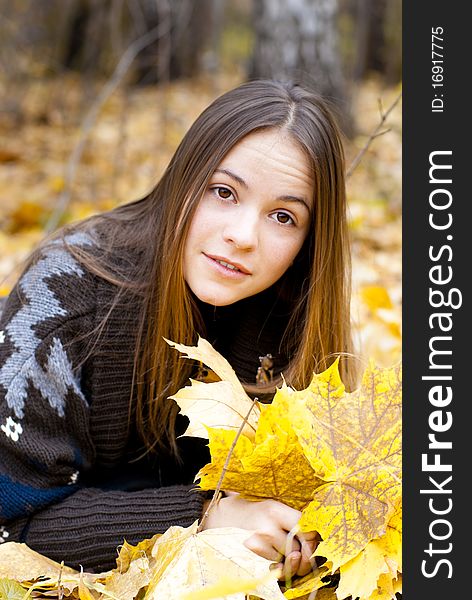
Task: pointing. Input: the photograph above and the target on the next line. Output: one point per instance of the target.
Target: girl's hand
(272, 522)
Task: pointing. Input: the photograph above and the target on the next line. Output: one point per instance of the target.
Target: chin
(217, 299)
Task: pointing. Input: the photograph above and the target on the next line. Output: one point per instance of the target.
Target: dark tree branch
(91, 116)
(376, 133)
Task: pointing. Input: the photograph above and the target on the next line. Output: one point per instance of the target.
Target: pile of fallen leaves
(333, 455)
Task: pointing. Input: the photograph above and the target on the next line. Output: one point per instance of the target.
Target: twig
(225, 467)
(118, 167)
(313, 594)
(120, 71)
(376, 133)
(60, 588)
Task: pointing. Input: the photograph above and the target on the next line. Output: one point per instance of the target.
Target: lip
(242, 269)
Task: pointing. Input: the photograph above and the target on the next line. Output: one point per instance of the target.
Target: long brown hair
(156, 227)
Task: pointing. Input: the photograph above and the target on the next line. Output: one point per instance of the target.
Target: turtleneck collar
(246, 330)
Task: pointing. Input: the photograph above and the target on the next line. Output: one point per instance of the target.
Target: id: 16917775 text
(437, 69)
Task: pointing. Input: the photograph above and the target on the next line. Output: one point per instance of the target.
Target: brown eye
(283, 218)
(224, 193)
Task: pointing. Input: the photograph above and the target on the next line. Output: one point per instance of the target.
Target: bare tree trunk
(393, 41)
(86, 22)
(378, 37)
(178, 53)
(298, 40)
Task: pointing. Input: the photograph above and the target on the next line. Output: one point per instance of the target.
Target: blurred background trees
(330, 44)
(95, 95)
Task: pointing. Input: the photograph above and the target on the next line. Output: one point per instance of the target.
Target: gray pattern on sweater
(21, 367)
(76, 477)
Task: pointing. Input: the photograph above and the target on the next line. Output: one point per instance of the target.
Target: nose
(242, 230)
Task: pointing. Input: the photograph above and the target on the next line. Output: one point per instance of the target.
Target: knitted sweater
(73, 482)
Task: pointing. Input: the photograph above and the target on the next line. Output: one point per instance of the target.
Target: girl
(244, 242)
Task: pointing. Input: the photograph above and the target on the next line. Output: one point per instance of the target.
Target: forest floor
(65, 156)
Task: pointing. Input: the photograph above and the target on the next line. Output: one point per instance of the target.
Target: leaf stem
(216, 494)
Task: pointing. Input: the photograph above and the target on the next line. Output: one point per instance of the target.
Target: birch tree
(298, 39)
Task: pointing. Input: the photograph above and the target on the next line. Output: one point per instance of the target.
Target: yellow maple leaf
(129, 553)
(134, 569)
(273, 465)
(324, 593)
(35, 571)
(387, 588)
(217, 404)
(11, 590)
(226, 587)
(19, 562)
(303, 586)
(376, 296)
(84, 592)
(353, 442)
(360, 576)
(188, 562)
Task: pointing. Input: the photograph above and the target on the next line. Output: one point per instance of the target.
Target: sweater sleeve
(46, 439)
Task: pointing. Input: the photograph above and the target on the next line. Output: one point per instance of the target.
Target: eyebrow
(285, 197)
(233, 176)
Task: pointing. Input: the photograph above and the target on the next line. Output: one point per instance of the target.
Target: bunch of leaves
(333, 455)
(181, 564)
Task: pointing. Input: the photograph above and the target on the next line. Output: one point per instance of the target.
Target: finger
(304, 567)
(306, 562)
(290, 544)
(263, 547)
(290, 553)
(285, 517)
(282, 543)
(308, 548)
(306, 541)
(309, 536)
(291, 565)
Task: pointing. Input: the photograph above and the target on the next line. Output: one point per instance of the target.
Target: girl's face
(252, 220)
